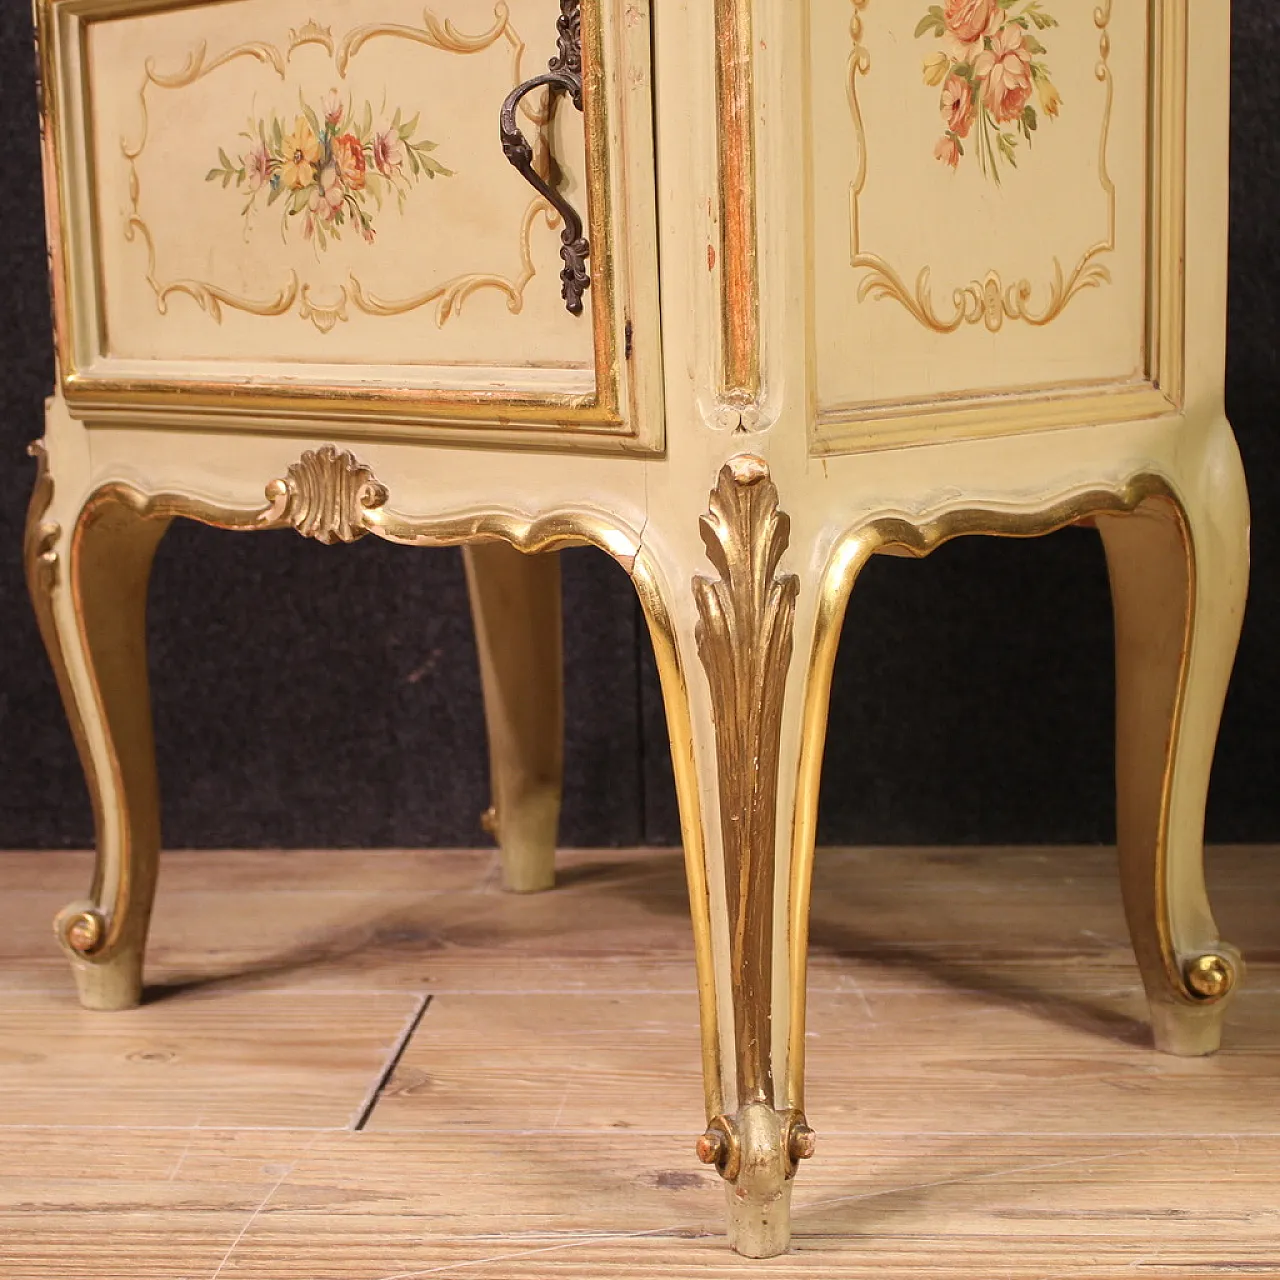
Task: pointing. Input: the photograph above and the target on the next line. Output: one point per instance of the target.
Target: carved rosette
(327, 495)
(745, 633)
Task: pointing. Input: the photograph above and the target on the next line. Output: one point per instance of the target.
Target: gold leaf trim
(739, 237)
(989, 300)
(744, 635)
(326, 495)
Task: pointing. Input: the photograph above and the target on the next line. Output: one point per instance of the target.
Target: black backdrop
(311, 696)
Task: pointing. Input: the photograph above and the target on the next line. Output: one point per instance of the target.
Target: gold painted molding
(1199, 979)
(989, 300)
(739, 246)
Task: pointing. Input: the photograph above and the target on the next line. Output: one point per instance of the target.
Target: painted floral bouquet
(988, 68)
(328, 170)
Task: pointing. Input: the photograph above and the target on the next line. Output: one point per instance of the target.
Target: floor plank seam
(393, 1061)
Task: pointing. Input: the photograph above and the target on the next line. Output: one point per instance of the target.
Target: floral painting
(331, 170)
(989, 68)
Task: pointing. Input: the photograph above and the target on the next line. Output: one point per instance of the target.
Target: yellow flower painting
(331, 169)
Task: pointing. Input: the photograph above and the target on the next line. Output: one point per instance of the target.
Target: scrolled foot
(1192, 1027)
(757, 1153)
(108, 978)
(1212, 977)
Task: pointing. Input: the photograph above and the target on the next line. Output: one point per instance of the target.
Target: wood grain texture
(987, 1104)
(246, 1059)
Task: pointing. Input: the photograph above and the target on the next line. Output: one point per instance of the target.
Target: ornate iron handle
(564, 72)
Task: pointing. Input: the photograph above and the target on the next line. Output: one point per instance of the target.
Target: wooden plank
(369, 1206)
(985, 1100)
(293, 1059)
(388, 909)
(372, 1206)
(528, 1062)
(270, 870)
(934, 1061)
(394, 921)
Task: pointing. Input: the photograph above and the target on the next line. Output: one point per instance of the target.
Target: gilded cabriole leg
(744, 641)
(515, 604)
(1179, 567)
(92, 616)
(1179, 574)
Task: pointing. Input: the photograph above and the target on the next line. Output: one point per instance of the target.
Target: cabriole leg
(728, 751)
(92, 615)
(515, 604)
(1179, 573)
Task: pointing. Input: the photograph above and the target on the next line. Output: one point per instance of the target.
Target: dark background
(312, 696)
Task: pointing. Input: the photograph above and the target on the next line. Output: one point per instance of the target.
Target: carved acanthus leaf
(745, 627)
(327, 495)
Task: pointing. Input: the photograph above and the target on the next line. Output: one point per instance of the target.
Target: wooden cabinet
(269, 216)
(865, 276)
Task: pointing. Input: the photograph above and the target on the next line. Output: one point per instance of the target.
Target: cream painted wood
(776, 364)
(515, 601)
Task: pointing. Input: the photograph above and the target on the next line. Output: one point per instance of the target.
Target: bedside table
(742, 292)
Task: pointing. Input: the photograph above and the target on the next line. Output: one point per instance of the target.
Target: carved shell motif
(327, 495)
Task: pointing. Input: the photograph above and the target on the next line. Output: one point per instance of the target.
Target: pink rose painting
(991, 63)
(330, 169)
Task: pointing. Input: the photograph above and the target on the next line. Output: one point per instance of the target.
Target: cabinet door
(268, 212)
(996, 214)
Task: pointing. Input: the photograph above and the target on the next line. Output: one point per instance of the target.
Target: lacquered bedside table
(805, 281)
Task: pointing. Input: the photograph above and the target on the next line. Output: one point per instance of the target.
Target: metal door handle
(564, 73)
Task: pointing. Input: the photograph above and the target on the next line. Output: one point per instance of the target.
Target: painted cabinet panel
(316, 199)
(994, 212)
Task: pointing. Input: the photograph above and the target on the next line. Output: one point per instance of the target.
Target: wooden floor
(378, 1067)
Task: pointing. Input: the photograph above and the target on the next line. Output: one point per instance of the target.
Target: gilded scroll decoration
(40, 542)
(388, 157)
(988, 300)
(326, 495)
